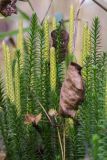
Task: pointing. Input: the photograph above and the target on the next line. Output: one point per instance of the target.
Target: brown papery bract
(72, 91)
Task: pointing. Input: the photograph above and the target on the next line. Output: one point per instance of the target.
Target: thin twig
(29, 3)
(76, 25)
(59, 137)
(64, 141)
(60, 142)
(100, 5)
(31, 8)
(47, 11)
(45, 111)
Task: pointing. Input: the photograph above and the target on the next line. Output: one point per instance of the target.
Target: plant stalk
(60, 142)
(100, 5)
(45, 112)
(64, 141)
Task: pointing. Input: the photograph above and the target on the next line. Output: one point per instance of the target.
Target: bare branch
(100, 5)
(47, 11)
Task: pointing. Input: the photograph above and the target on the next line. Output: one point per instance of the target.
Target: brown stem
(100, 5)
(64, 141)
(28, 3)
(60, 142)
(47, 11)
(45, 112)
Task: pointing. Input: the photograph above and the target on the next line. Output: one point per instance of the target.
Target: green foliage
(54, 138)
(92, 115)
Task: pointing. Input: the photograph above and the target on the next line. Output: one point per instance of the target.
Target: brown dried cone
(8, 7)
(64, 41)
(72, 91)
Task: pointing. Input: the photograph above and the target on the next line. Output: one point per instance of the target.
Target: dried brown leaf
(30, 118)
(72, 91)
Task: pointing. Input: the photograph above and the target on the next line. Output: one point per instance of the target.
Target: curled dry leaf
(30, 118)
(72, 91)
(8, 7)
